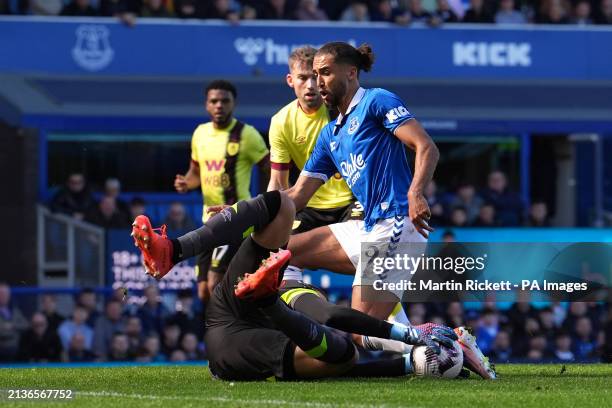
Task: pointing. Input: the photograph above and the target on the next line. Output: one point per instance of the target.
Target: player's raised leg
(240, 220)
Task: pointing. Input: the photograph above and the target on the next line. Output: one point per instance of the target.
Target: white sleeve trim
(402, 123)
(310, 174)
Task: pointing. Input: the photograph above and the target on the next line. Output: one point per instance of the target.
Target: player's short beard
(336, 92)
(223, 122)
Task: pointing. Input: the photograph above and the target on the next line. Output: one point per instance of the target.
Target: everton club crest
(92, 50)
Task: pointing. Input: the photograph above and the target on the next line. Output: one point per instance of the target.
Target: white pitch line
(218, 399)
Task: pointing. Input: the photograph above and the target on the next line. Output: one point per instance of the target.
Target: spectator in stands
(357, 12)
(467, 199)
(487, 330)
(155, 8)
(151, 348)
(546, 318)
(119, 8)
(177, 218)
(383, 10)
(77, 324)
(582, 13)
(454, 314)
(87, 299)
(563, 347)
(575, 312)
(49, 310)
(107, 215)
(538, 215)
(5, 7)
(12, 323)
(309, 10)
(221, 10)
(585, 343)
(539, 342)
(39, 344)
(508, 206)
(277, 9)
(444, 13)
(74, 198)
(133, 331)
(418, 14)
(77, 351)
(112, 188)
(152, 313)
(449, 236)
(477, 13)
(435, 204)
(106, 325)
(604, 15)
(501, 351)
(170, 337)
(138, 206)
(187, 8)
(189, 345)
(248, 13)
(178, 356)
(486, 217)
(458, 217)
(79, 8)
(119, 349)
(417, 313)
(185, 316)
(507, 14)
(554, 12)
(44, 7)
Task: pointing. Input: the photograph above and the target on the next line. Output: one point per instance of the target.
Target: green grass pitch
(578, 386)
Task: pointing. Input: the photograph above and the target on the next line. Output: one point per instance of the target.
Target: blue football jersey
(361, 146)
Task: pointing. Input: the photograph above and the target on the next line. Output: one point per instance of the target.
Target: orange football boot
(264, 282)
(156, 248)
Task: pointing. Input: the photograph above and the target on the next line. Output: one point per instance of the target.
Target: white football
(447, 364)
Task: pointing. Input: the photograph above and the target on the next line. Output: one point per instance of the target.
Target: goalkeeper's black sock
(393, 367)
(318, 341)
(231, 224)
(342, 318)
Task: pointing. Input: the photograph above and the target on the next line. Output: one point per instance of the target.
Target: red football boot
(156, 249)
(264, 282)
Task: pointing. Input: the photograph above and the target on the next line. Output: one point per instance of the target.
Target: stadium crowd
(154, 332)
(402, 12)
(492, 205)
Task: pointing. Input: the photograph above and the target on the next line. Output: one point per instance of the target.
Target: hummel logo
(332, 146)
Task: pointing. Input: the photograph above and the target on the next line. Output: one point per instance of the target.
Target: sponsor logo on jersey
(215, 165)
(495, 54)
(396, 113)
(351, 169)
(353, 125)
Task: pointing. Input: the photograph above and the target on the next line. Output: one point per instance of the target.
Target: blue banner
(80, 46)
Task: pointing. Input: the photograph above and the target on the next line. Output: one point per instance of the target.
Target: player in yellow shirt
(223, 152)
(293, 133)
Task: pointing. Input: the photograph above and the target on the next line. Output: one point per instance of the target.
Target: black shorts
(310, 218)
(216, 261)
(242, 342)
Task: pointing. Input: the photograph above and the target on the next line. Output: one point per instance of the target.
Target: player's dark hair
(303, 55)
(222, 84)
(344, 53)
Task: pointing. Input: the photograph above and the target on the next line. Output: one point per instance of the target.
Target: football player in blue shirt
(366, 145)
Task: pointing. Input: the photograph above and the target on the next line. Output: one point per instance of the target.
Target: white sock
(293, 273)
(378, 344)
